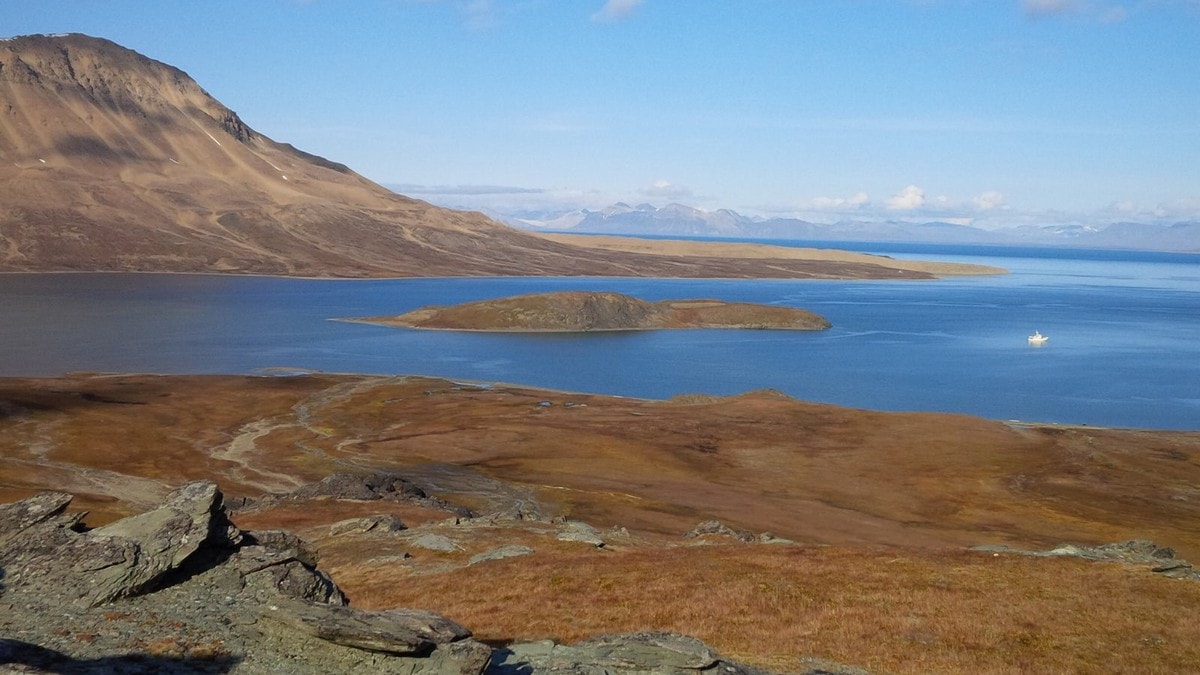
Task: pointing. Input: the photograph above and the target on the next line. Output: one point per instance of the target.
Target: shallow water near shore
(1124, 332)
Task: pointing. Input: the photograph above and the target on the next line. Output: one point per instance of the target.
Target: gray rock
(716, 527)
(177, 529)
(1132, 551)
(369, 487)
(361, 487)
(464, 657)
(380, 523)
(125, 558)
(648, 652)
(574, 530)
(282, 543)
(405, 632)
(435, 542)
(277, 563)
(651, 651)
(270, 574)
(1135, 551)
(508, 551)
(19, 516)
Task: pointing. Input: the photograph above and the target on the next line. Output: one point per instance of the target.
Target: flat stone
(508, 551)
(646, 652)
(405, 632)
(381, 523)
(435, 542)
(574, 530)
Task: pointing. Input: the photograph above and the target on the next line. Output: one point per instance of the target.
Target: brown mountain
(586, 311)
(113, 161)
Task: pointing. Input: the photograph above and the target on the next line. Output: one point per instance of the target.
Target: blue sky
(992, 112)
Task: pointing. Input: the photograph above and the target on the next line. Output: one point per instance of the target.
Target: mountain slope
(113, 161)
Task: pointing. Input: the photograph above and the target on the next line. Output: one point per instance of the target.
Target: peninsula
(584, 311)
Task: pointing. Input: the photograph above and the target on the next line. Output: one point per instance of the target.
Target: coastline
(661, 248)
(748, 250)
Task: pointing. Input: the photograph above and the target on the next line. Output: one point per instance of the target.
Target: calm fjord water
(1124, 331)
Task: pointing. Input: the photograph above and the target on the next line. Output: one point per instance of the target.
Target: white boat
(1037, 338)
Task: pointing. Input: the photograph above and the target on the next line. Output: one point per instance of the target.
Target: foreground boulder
(647, 652)
(44, 551)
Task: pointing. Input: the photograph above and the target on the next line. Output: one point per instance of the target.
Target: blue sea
(1124, 330)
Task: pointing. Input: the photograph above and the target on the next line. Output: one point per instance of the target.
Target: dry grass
(887, 611)
(812, 473)
(857, 480)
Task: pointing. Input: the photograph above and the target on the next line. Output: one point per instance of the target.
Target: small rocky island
(583, 311)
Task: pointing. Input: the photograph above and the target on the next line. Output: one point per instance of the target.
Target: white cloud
(908, 199)
(1115, 14)
(666, 190)
(479, 14)
(615, 10)
(989, 200)
(1049, 7)
(855, 201)
(1104, 12)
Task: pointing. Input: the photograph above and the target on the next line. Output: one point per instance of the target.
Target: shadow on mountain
(17, 653)
(94, 148)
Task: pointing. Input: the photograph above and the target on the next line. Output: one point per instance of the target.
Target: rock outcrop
(44, 552)
(381, 486)
(1160, 559)
(648, 652)
(180, 589)
(717, 528)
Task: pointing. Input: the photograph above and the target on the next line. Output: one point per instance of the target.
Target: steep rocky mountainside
(582, 311)
(113, 161)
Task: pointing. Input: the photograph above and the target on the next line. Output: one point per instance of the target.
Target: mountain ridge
(681, 220)
(113, 161)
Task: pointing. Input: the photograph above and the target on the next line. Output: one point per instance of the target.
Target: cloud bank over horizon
(988, 210)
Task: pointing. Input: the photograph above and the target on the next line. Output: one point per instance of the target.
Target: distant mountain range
(684, 221)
